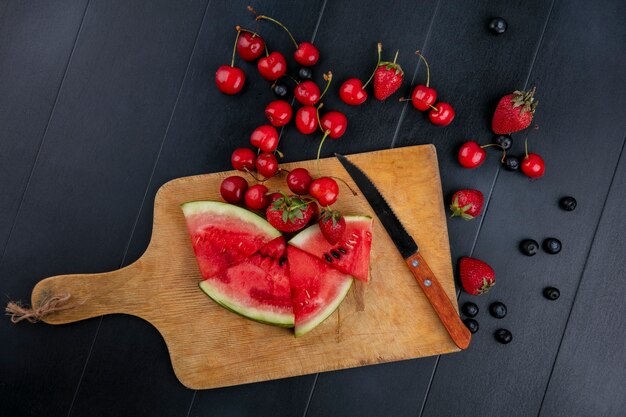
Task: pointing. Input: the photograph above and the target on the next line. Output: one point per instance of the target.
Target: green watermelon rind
(192, 208)
(322, 315)
(261, 316)
(301, 238)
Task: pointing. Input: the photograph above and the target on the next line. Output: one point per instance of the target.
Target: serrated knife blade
(410, 252)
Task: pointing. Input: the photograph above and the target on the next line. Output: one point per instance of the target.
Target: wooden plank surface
(388, 319)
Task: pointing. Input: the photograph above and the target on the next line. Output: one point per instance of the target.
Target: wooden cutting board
(388, 319)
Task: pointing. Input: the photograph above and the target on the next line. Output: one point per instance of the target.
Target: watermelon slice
(351, 255)
(316, 289)
(256, 288)
(223, 234)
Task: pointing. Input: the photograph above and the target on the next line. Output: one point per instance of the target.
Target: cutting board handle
(91, 295)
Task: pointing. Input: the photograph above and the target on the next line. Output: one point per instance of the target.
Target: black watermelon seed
(335, 254)
(328, 258)
(342, 250)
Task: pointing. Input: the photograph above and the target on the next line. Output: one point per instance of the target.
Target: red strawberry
(514, 112)
(387, 79)
(333, 226)
(467, 204)
(476, 276)
(289, 214)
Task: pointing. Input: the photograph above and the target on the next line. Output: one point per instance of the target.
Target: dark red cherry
(267, 164)
(250, 46)
(233, 188)
(229, 80)
(243, 158)
(325, 190)
(335, 123)
(306, 120)
(352, 92)
(256, 197)
(299, 180)
(306, 54)
(307, 93)
(265, 138)
(443, 115)
(278, 112)
(423, 97)
(272, 67)
(533, 166)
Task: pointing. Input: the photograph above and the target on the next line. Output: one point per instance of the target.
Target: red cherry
(352, 92)
(533, 166)
(267, 164)
(306, 54)
(335, 122)
(233, 188)
(274, 196)
(278, 112)
(307, 93)
(443, 116)
(243, 158)
(423, 97)
(250, 46)
(306, 120)
(325, 190)
(265, 138)
(272, 67)
(299, 181)
(256, 197)
(471, 155)
(229, 80)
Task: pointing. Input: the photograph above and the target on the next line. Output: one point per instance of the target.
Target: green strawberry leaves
(292, 208)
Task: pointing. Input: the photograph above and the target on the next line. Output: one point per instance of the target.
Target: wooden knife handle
(439, 300)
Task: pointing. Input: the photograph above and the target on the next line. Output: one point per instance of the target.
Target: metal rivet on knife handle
(415, 263)
(427, 283)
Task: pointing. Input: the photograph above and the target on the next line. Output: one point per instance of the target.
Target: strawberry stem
(418, 53)
(319, 150)
(396, 57)
(232, 61)
(259, 17)
(328, 77)
(379, 48)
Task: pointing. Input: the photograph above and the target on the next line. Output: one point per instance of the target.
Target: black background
(102, 101)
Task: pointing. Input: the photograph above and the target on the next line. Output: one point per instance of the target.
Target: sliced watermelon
(223, 234)
(257, 288)
(316, 289)
(351, 255)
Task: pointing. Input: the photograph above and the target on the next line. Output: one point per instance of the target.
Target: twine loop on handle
(51, 305)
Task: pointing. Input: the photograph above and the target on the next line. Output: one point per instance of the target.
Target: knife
(410, 252)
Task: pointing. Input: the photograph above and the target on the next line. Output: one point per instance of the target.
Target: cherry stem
(354, 193)
(499, 146)
(317, 114)
(232, 61)
(259, 17)
(396, 57)
(380, 48)
(329, 78)
(411, 99)
(254, 176)
(319, 150)
(526, 145)
(419, 54)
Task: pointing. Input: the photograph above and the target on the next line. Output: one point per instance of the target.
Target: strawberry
(476, 276)
(514, 112)
(467, 204)
(289, 214)
(387, 79)
(333, 226)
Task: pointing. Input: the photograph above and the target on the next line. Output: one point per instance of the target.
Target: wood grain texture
(386, 320)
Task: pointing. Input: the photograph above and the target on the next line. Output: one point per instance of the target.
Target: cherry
(278, 112)
(423, 96)
(306, 120)
(274, 196)
(353, 92)
(243, 159)
(229, 79)
(441, 114)
(325, 190)
(273, 66)
(299, 181)
(307, 54)
(533, 166)
(307, 93)
(250, 45)
(265, 138)
(233, 188)
(335, 123)
(256, 197)
(267, 164)
(471, 155)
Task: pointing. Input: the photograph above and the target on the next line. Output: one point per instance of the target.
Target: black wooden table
(102, 101)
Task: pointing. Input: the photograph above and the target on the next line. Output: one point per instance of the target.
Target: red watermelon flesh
(257, 288)
(316, 289)
(223, 234)
(351, 255)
